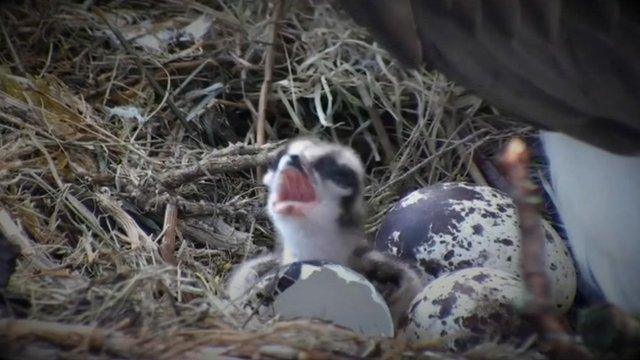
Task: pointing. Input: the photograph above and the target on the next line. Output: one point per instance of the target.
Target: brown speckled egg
(451, 226)
(469, 306)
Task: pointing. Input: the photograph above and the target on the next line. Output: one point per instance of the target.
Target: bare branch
(515, 161)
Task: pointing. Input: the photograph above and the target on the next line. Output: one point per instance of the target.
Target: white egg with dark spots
(452, 226)
(324, 291)
(467, 307)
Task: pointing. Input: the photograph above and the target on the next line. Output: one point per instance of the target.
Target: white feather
(598, 197)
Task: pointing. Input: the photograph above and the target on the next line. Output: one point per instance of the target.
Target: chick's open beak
(296, 192)
(295, 185)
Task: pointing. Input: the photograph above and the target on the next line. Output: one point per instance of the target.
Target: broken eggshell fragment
(324, 291)
(451, 226)
(467, 307)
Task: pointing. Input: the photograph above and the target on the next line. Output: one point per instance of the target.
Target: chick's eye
(341, 175)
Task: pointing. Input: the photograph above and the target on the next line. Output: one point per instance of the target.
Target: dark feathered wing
(571, 66)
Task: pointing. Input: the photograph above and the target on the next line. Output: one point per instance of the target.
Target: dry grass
(89, 189)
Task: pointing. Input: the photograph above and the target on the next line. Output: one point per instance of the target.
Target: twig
(175, 178)
(515, 162)
(8, 255)
(241, 149)
(148, 200)
(27, 248)
(490, 172)
(216, 233)
(484, 172)
(230, 103)
(69, 335)
(169, 239)
(12, 50)
(387, 147)
(190, 77)
(136, 58)
(134, 235)
(268, 73)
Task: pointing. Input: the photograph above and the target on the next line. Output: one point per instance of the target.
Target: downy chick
(315, 203)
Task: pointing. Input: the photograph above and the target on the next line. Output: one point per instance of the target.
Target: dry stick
(515, 161)
(491, 173)
(173, 179)
(12, 50)
(268, 74)
(156, 87)
(387, 147)
(148, 199)
(484, 172)
(28, 250)
(169, 239)
(242, 149)
(70, 335)
(27, 247)
(230, 103)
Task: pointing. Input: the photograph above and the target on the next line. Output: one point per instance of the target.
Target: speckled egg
(468, 306)
(452, 226)
(324, 291)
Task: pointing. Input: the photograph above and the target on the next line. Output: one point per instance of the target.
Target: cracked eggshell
(469, 306)
(451, 226)
(325, 291)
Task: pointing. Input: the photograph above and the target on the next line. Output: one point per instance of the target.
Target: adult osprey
(571, 67)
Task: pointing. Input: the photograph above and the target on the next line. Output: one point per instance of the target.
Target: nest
(129, 173)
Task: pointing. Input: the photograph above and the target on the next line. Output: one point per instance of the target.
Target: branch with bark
(516, 161)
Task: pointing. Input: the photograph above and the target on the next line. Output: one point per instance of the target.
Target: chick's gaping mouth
(296, 193)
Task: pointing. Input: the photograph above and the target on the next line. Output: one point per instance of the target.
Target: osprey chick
(315, 203)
